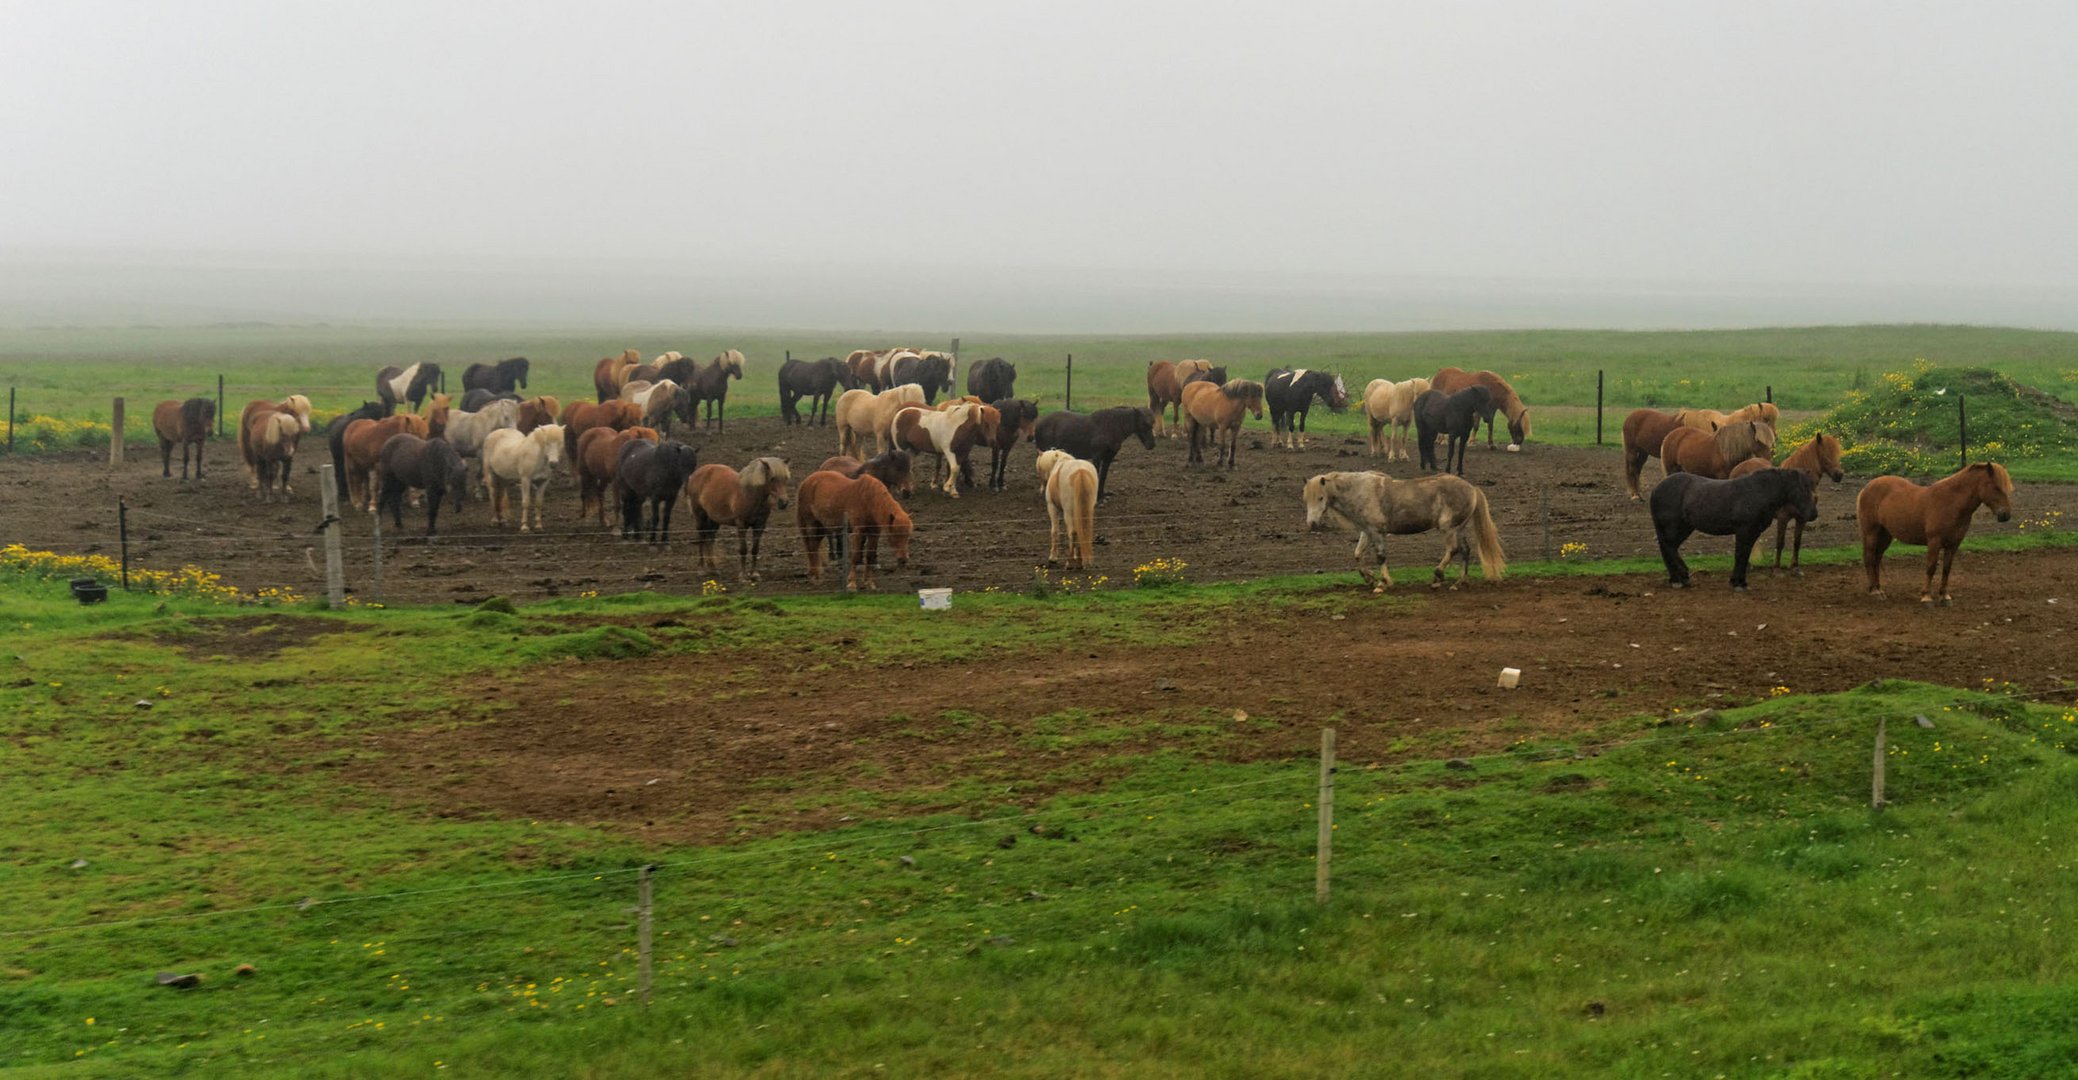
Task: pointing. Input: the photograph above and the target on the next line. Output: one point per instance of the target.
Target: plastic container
(1509, 677)
(934, 599)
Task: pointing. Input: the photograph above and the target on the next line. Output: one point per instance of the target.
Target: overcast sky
(1849, 144)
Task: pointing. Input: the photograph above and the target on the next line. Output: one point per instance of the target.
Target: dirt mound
(1912, 421)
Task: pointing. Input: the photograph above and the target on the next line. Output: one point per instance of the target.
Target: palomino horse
(611, 372)
(1450, 380)
(1219, 410)
(722, 496)
(651, 475)
(595, 463)
(827, 503)
(711, 385)
(499, 378)
(1711, 419)
(816, 381)
(273, 437)
(1713, 455)
(863, 412)
(188, 423)
(1071, 507)
(1684, 504)
(948, 436)
(1290, 394)
(992, 379)
(1375, 506)
(1017, 418)
(1819, 457)
(1644, 431)
(295, 405)
(1455, 415)
(408, 462)
(362, 445)
(512, 460)
(1165, 382)
(1095, 437)
(1937, 515)
(1389, 406)
(397, 385)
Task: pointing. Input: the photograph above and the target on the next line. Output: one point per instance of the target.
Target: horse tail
(1084, 515)
(1492, 561)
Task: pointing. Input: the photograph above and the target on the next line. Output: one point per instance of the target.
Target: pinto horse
(1819, 457)
(948, 436)
(817, 382)
(596, 462)
(430, 465)
(185, 422)
(397, 385)
(1165, 382)
(992, 379)
(1937, 515)
(1714, 455)
(1456, 415)
(1389, 406)
(827, 503)
(651, 475)
(1220, 411)
(1684, 504)
(273, 437)
(658, 401)
(611, 372)
(722, 496)
(1290, 395)
(711, 385)
(295, 405)
(1017, 418)
(1070, 484)
(1095, 437)
(1375, 506)
(1450, 380)
(499, 378)
(361, 443)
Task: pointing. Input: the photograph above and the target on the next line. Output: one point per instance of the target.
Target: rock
(81, 864)
(1459, 764)
(909, 861)
(179, 982)
(1165, 684)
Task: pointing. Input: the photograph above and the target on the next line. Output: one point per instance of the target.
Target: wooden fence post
(335, 578)
(642, 910)
(1876, 770)
(122, 533)
(1324, 845)
(115, 436)
(1544, 517)
(1770, 399)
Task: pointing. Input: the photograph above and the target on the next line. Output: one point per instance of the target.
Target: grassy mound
(598, 643)
(1910, 423)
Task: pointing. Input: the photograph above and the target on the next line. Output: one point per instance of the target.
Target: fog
(1039, 167)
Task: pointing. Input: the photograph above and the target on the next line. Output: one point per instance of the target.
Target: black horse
(335, 435)
(1289, 394)
(992, 379)
(709, 384)
(1685, 503)
(1096, 437)
(1019, 416)
(933, 373)
(476, 399)
(651, 474)
(816, 380)
(1455, 415)
(431, 465)
(500, 377)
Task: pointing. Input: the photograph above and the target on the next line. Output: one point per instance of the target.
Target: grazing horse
(499, 378)
(1070, 484)
(1165, 382)
(475, 400)
(1937, 515)
(430, 465)
(582, 416)
(295, 405)
(1095, 437)
(273, 437)
(397, 385)
(1017, 418)
(335, 438)
(1819, 457)
(1644, 432)
(931, 370)
(722, 496)
(891, 469)
(188, 423)
(361, 443)
(1389, 406)
(1290, 394)
(948, 436)
(828, 502)
(650, 476)
(511, 460)
(1685, 503)
(1375, 506)
(611, 371)
(815, 380)
(657, 400)
(1220, 410)
(864, 412)
(992, 379)
(1713, 455)
(595, 463)
(1455, 415)
(1450, 380)
(711, 385)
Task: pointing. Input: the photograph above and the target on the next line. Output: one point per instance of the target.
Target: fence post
(219, 406)
(1068, 396)
(115, 436)
(1962, 425)
(1544, 516)
(122, 533)
(335, 579)
(10, 419)
(1326, 842)
(1598, 407)
(376, 576)
(1876, 770)
(1770, 399)
(642, 909)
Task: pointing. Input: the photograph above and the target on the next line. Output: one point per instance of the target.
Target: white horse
(1071, 507)
(528, 461)
(466, 431)
(1375, 506)
(939, 426)
(863, 412)
(1390, 405)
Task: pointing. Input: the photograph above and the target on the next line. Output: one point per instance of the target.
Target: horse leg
(1933, 561)
(1948, 563)
(1234, 445)
(1781, 533)
(1743, 543)
(1670, 553)
(1796, 553)
(1874, 541)
(1053, 531)
(526, 499)
(1385, 573)
(1454, 541)
(1633, 465)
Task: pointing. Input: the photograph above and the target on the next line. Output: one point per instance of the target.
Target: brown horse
(295, 404)
(579, 417)
(187, 423)
(595, 463)
(1450, 380)
(1220, 410)
(827, 502)
(1711, 419)
(1937, 515)
(1714, 454)
(536, 411)
(891, 469)
(1819, 457)
(722, 496)
(612, 371)
(362, 443)
(1643, 433)
(1016, 419)
(1165, 382)
(273, 437)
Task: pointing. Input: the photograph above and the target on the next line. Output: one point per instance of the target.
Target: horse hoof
(1738, 588)
(1947, 600)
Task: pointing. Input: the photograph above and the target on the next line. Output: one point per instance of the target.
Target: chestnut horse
(1450, 380)
(362, 443)
(1389, 406)
(611, 372)
(596, 462)
(1937, 515)
(1714, 454)
(1165, 382)
(187, 423)
(828, 502)
(891, 469)
(295, 404)
(581, 416)
(273, 437)
(1711, 419)
(722, 496)
(536, 411)
(1644, 431)
(1819, 457)
(1220, 411)
(1071, 507)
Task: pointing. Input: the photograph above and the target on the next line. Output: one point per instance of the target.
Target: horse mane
(1243, 390)
(1737, 442)
(760, 473)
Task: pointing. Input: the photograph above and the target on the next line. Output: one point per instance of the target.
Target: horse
(651, 475)
(711, 385)
(1165, 382)
(891, 469)
(397, 385)
(828, 502)
(466, 431)
(1685, 503)
(335, 437)
(595, 463)
(1456, 415)
(431, 465)
(1937, 515)
(579, 417)
(1375, 506)
(1070, 485)
(1095, 437)
(722, 496)
(295, 405)
(1819, 457)
(536, 411)
(931, 370)
(611, 371)
(475, 400)
(273, 437)
(1220, 410)
(658, 402)
(815, 380)
(1389, 406)
(361, 443)
(864, 412)
(992, 379)
(498, 378)
(1687, 450)
(1450, 380)
(1711, 419)
(188, 423)
(510, 460)
(1644, 432)
(1290, 394)
(1016, 419)
(865, 367)
(949, 436)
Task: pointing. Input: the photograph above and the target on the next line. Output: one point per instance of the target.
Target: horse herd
(1718, 471)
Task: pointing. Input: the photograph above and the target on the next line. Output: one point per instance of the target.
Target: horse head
(769, 475)
(550, 438)
(1050, 460)
(1827, 449)
(1143, 427)
(1316, 498)
(1336, 395)
(1519, 427)
(1995, 487)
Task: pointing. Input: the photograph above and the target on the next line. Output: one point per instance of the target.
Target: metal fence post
(1598, 407)
(1068, 395)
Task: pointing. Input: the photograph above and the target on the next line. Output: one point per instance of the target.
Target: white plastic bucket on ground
(934, 599)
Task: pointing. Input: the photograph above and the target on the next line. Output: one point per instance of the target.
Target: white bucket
(1509, 677)
(934, 599)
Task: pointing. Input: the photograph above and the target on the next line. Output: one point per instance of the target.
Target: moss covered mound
(1911, 422)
